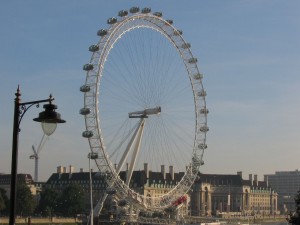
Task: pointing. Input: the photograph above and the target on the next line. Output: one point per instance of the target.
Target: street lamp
(92, 155)
(49, 119)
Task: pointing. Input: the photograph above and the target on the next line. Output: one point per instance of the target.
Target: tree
(4, 201)
(72, 200)
(294, 217)
(48, 201)
(25, 202)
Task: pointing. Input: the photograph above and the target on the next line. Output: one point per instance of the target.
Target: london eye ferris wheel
(144, 102)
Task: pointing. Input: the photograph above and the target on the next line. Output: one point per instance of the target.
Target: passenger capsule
(93, 155)
(85, 88)
(178, 32)
(170, 21)
(202, 93)
(204, 111)
(202, 146)
(146, 10)
(198, 76)
(193, 60)
(112, 20)
(84, 111)
(134, 9)
(102, 32)
(87, 134)
(88, 67)
(94, 48)
(158, 14)
(123, 202)
(186, 45)
(123, 13)
(204, 129)
(196, 161)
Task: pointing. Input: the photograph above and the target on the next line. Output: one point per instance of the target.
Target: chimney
(266, 179)
(171, 170)
(255, 180)
(163, 172)
(64, 169)
(60, 169)
(146, 170)
(81, 170)
(240, 173)
(71, 169)
(250, 179)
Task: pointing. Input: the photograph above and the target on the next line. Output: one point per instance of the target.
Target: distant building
(21, 178)
(211, 194)
(230, 195)
(286, 184)
(144, 182)
(63, 178)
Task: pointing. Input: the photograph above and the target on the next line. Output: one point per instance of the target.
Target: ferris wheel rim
(94, 120)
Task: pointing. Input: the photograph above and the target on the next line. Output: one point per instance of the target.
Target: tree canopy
(4, 201)
(48, 201)
(25, 202)
(294, 217)
(71, 201)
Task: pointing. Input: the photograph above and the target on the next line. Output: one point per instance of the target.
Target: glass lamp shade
(48, 128)
(49, 119)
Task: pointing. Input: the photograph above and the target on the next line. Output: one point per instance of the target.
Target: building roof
(220, 179)
(6, 178)
(139, 178)
(229, 179)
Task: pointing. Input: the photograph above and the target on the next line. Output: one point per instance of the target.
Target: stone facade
(215, 194)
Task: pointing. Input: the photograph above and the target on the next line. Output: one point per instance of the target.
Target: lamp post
(92, 155)
(49, 119)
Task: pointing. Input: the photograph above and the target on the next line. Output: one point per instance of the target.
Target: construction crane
(36, 157)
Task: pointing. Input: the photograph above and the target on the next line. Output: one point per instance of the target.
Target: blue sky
(248, 51)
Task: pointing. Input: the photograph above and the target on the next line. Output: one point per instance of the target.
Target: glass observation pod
(202, 93)
(123, 202)
(87, 134)
(202, 146)
(204, 111)
(84, 111)
(197, 161)
(204, 129)
(146, 10)
(186, 45)
(123, 13)
(178, 32)
(112, 20)
(93, 155)
(193, 60)
(85, 88)
(198, 76)
(94, 48)
(88, 67)
(134, 9)
(169, 22)
(101, 32)
(158, 14)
